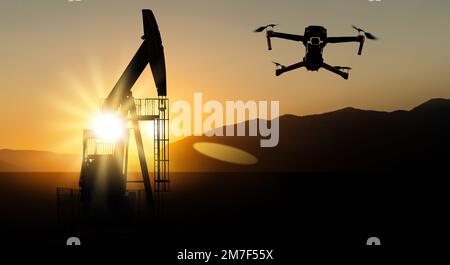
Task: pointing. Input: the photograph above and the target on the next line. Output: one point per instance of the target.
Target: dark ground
(287, 212)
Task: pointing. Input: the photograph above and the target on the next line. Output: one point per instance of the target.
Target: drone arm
(358, 38)
(334, 70)
(345, 39)
(273, 34)
(361, 44)
(289, 68)
(269, 43)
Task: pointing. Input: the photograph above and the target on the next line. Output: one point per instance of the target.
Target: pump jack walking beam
(150, 52)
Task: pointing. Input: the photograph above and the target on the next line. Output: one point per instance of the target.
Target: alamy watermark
(221, 119)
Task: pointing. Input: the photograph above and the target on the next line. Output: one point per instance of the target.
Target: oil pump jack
(103, 177)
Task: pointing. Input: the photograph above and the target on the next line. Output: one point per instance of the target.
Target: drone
(315, 39)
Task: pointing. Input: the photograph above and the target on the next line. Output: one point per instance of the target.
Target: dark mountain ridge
(344, 140)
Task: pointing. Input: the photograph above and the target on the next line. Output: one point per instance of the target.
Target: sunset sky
(59, 58)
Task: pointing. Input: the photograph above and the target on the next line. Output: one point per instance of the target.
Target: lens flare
(108, 126)
(225, 153)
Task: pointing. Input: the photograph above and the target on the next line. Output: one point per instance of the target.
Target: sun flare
(108, 126)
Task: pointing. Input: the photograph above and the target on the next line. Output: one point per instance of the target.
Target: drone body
(315, 39)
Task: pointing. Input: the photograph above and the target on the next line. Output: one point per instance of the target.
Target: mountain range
(348, 139)
(37, 161)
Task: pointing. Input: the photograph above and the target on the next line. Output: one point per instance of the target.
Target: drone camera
(315, 41)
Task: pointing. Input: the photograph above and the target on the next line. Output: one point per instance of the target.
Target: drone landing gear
(337, 70)
(282, 69)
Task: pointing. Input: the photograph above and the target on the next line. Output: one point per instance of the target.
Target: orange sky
(58, 58)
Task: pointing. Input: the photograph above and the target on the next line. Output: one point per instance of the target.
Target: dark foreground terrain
(287, 212)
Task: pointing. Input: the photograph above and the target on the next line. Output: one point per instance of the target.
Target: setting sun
(108, 126)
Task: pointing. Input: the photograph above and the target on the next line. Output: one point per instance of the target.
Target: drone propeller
(260, 29)
(343, 68)
(367, 34)
(278, 64)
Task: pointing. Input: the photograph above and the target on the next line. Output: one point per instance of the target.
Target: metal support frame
(141, 153)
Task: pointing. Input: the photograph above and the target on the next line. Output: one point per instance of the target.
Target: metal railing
(70, 209)
(68, 205)
(94, 147)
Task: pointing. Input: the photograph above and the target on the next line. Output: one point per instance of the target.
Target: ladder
(161, 153)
